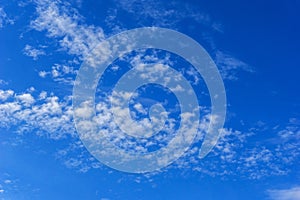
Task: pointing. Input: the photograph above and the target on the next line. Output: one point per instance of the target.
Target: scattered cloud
(234, 155)
(46, 115)
(43, 74)
(65, 24)
(285, 194)
(4, 19)
(51, 116)
(5, 94)
(33, 52)
(75, 156)
(60, 73)
(25, 99)
(291, 132)
(11, 186)
(230, 66)
(159, 14)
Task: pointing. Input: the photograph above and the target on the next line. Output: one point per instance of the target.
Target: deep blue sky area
(255, 46)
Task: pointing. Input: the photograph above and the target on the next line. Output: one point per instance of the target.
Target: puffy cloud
(27, 99)
(43, 74)
(5, 94)
(46, 115)
(51, 115)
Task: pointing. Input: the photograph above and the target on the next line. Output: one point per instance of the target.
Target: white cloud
(82, 162)
(235, 155)
(291, 132)
(60, 73)
(64, 23)
(85, 111)
(43, 95)
(162, 15)
(159, 14)
(50, 115)
(46, 115)
(5, 94)
(285, 194)
(230, 66)
(33, 52)
(4, 19)
(43, 74)
(10, 185)
(27, 99)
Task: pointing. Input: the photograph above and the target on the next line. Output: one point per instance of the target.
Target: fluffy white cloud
(51, 116)
(5, 94)
(27, 99)
(43, 74)
(45, 115)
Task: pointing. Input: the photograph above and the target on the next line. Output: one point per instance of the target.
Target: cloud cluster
(64, 23)
(231, 157)
(44, 114)
(51, 116)
(60, 73)
(33, 52)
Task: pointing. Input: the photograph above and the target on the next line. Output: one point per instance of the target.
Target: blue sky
(255, 46)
